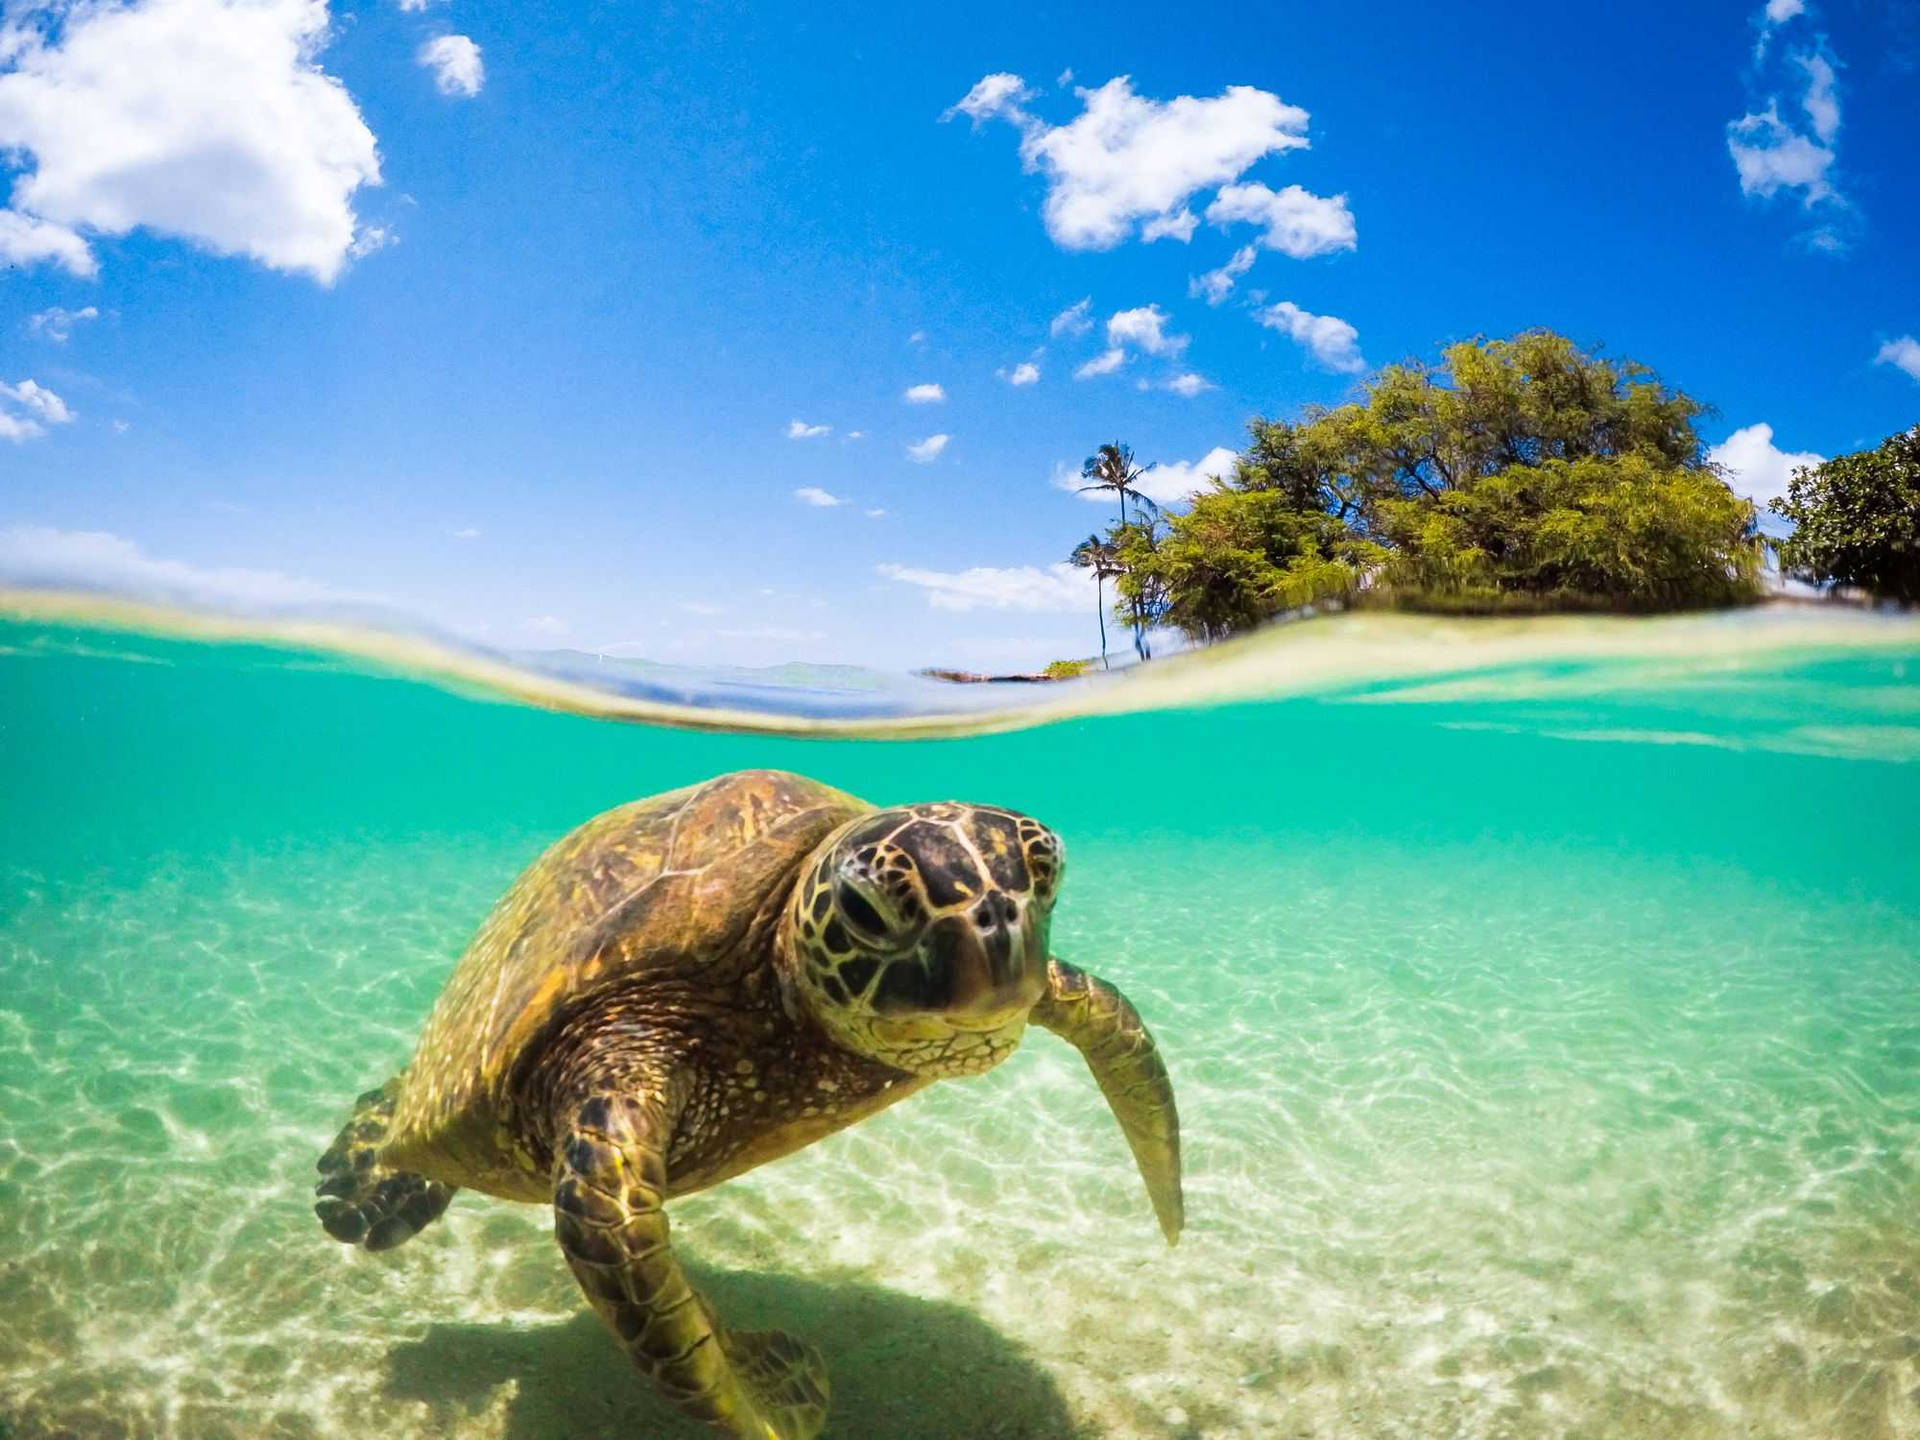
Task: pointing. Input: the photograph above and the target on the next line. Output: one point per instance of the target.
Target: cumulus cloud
(1754, 466)
(995, 97)
(207, 120)
(1025, 373)
(925, 451)
(1076, 319)
(97, 560)
(1903, 354)
(455, 63)
(27, 409)
(1294, 221)
(1331, 341)
(1216, 285)
(1168, 483)
(814, 495)
(1776, 150)
(56, 324)
(25, 240)
(800, 430)
(876, 513)
(985, 587)
(1770, 156)
(37, 400)
(1129, 165)
(1144, 328)
(927, 394)
(1188, 384)
(1104, 363)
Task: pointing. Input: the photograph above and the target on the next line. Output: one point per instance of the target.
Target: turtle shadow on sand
(901, 1367)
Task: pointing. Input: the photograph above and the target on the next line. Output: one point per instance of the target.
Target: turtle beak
(994, 958)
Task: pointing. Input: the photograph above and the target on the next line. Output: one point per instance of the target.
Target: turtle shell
(664, 889)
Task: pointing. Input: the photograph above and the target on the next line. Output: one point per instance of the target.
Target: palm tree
(1111, 467)
(1103, 558)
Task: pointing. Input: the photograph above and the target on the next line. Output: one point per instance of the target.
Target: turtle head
(918, 936)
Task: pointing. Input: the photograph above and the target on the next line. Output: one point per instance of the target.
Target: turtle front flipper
(1101, 1023)
(610, 1183)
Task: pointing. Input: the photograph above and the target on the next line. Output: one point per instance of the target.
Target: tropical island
(1520, 475)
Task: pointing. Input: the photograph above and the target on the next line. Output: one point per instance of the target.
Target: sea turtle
(691, 985)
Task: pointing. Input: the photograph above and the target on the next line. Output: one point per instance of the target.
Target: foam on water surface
(1531, 1087)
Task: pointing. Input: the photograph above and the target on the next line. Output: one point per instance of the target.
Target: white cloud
(1216, 285)
(41, 408)
(1333, 343)
(1104, 363)
(994, 97)
(1295, 222)
(550, 626)
(39, 401)
(455, 63)
(1754, 466)
(928, 449)
(1076, 319)
(876, 513)
(1130, 164)
(1772, 152)
(927, 394)
(25, 240)
(209, 120)
(1189, 384)
(56, 324)
(814, 495)
(466, 532)
(414, 7)
(1145, 328)
(1168, 483)
(800, 430)
(370, 239)
(1770, 156)
(851, 434)
(985, 587)
(1903, 354)
(1819, 101)
(1025, 373)
(96, 560)
(918, 337)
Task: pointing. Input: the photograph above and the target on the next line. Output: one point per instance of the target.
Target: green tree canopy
(1857, 520)
(1523, 471)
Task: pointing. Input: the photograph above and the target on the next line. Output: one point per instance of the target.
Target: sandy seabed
(1530, 1150)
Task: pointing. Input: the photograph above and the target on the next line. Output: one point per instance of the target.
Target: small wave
(1368, 656)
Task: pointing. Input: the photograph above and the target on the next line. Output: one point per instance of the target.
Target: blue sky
(504, 315)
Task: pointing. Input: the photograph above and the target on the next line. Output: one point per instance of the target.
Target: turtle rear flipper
(362, 1202)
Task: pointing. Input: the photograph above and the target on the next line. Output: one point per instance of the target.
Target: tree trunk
(1100, 610)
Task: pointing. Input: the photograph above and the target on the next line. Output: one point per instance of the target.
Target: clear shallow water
(1546, 1037)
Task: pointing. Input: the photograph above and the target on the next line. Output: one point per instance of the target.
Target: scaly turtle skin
(695, 984)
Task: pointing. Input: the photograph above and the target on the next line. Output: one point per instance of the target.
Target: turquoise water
(1546, 1039)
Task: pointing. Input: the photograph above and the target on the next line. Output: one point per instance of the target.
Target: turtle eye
(859, 911)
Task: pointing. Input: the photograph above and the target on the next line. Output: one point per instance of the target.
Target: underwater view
(1542, 1028)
